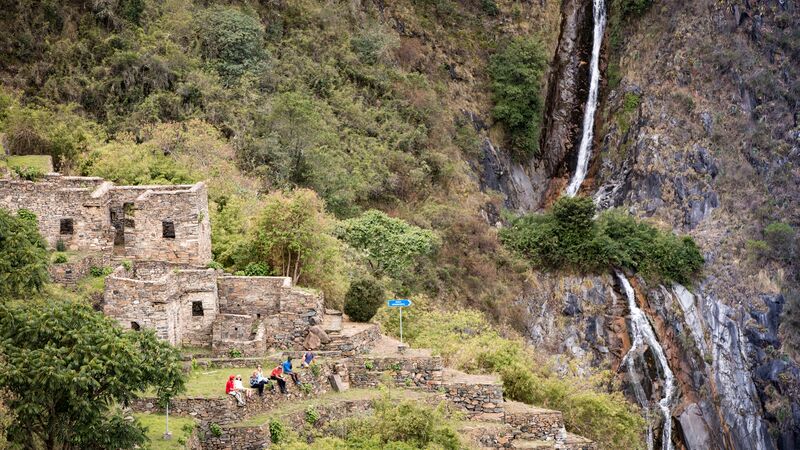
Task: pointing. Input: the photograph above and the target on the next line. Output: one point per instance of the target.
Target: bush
(61, 246)
(277, 431)
(30, 216)
(232, 41)
(60, 258)
(569, 237)
(214, 265)
(23, 256)
(28, 173)
(312, 415)
(781, 239)
(235, 353)
(99, 271)
(363, 299)
(517, 80)
(215, 429)
(257, 270)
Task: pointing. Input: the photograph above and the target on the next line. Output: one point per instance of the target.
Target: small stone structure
(206, 308)
(161, 223)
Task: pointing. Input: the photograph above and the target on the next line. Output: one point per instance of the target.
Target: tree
(292, 235)
(517, 80)
(23, 255)
(233, 41)
(392, 245)
(363, 299)
(71, 368)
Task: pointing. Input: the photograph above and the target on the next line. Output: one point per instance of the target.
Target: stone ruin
(159, 237)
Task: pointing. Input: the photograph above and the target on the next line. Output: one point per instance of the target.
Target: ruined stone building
(159, 239)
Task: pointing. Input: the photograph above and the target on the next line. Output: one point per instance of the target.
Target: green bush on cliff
(23, 255)
(517, 79)
(363, 299)
(568, 236)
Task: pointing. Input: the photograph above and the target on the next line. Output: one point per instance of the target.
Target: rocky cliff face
(700, 136)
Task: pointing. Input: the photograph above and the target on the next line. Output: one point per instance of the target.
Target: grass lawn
(40, 162)
(155, 424)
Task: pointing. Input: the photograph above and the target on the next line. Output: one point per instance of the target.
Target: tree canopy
(23, 255)
(392, 245)
(70, 369)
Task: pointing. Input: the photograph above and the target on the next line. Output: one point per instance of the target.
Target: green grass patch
(42, 163)
(180, 427)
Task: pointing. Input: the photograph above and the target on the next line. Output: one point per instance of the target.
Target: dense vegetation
(65, 369)
(467, 341)
(363, 299)
(568, 236)
(23, 257)
(517, 82)
(398, 425)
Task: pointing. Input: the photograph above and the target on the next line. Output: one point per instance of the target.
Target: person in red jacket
(231, 390)
(277, 376)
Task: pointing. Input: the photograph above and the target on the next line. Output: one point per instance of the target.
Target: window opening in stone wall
(66, 226)
(135, 326)
(168, 229)
(197, 309)
(127, 213)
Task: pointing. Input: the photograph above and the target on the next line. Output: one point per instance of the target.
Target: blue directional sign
(399, 302)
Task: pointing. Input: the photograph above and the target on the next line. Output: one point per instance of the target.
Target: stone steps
(575, 442)
(534, 424)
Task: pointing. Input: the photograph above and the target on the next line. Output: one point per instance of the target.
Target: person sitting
(287, 369)
(231, 390)
(258, 381)
(308, 359)
(237, 384)
(277, 376)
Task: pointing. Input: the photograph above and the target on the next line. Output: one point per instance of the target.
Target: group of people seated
(236, 388)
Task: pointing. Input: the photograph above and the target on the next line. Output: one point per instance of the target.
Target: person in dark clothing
(277, 376)
(287, 369)
(258, 381)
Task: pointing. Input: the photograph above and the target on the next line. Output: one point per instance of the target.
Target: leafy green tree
(392, 245)
(70, 369)
(233, 41)
(23, 255)
(363, 299)
(292, 235)
(517, 80)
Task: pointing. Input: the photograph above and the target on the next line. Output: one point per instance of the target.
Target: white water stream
(585, 149)
(643, 334)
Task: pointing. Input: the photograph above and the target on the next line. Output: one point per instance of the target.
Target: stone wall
(237, 332)
(71, 272)
(90, 214)
(355, 344)
(412, 371)
(57, 198)
(532, 423)
(476, 399)
(185, 208)
(259, 296)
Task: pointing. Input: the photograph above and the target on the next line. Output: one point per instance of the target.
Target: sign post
(400, 303)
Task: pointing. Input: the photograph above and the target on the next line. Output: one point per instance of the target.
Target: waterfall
(584, 151)
(643, 334)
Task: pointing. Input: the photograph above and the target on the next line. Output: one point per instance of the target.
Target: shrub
(312, 415)
(215, 429)
(23, 256)
(517, 80)
(363, 299)
(99, 271)
(28, 173)
(215, 265)
(781, 239)
(316, 370)
(127, 265)
(235, 353)
(257, 270)
(60, 258)
(277, 431)
(61, 246)
(30, 216)
(569, 237)
(369, 364)
(232, 41)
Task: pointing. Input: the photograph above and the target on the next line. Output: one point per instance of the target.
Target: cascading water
(643, 334)
(584, 151)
